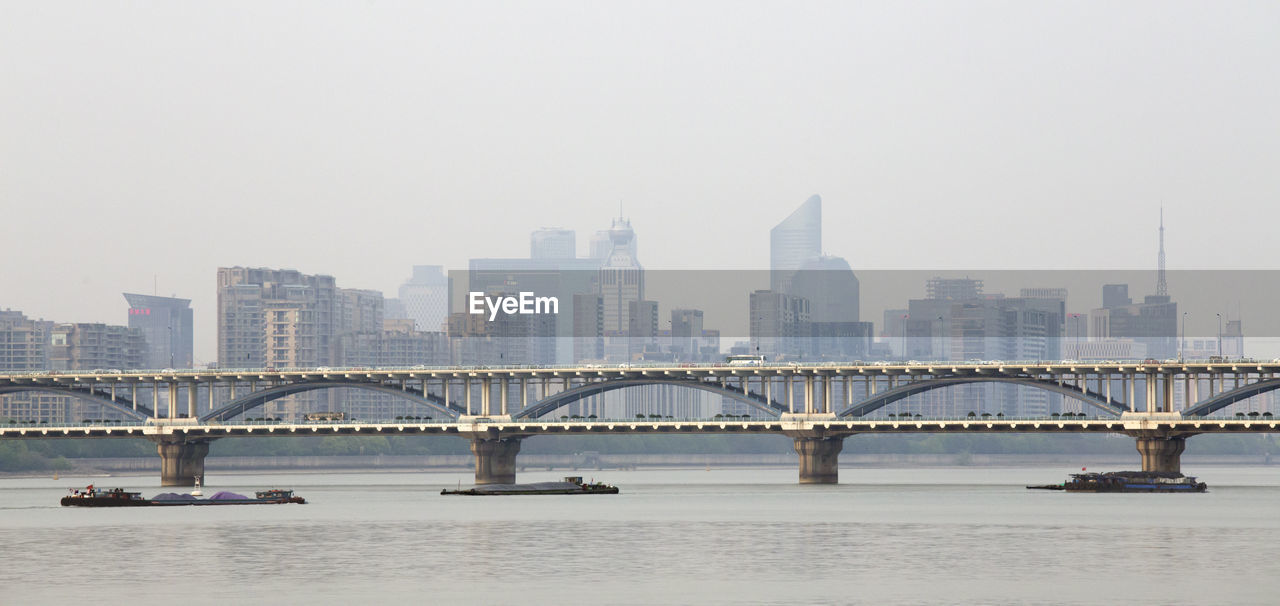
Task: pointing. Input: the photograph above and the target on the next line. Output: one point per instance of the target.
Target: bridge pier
(819, 459)
(495, 460)
(181, 461)
(1162, 454)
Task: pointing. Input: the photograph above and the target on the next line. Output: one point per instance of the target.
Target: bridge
(1159, 404)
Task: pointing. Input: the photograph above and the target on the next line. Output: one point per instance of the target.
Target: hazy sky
(142, 139)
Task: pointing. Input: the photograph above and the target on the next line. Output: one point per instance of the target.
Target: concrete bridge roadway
(1159, 404)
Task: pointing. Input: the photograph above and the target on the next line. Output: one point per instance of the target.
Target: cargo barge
(118, 497)
(570, 485)
(1127, 481)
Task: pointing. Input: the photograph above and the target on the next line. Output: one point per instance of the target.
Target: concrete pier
(495, 460)
(819, 459)
(1162, 454)
(181, 461)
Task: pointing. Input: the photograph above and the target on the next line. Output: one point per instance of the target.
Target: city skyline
(1013, 145)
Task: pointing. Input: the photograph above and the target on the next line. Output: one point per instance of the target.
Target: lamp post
(941, 341)
(904, 336)
(1219, 335)
(1182, 341)
(1077, 319)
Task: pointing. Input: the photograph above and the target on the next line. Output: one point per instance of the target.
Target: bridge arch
(1227, 398)
(258, 398)
(885, 398)
(120, 404)
(570, 396)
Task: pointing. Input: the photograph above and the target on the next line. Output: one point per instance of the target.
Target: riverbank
(590, 461)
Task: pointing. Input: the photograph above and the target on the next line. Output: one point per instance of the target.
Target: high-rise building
(24, 348)
(795, 241)
(588, 327)
(823, 286)
(621, 283)
(686, 333)
(287, 319)
(831, 288)
(780, 324)
(275, 318)
(23, 342)
(167, 326)
(91, 346)
(552, 243)
(425, 297)
(32, 345)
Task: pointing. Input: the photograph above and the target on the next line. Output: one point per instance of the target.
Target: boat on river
(570, 485)
(118, 497)
(1127, 481)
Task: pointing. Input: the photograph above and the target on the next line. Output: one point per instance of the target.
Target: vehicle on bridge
(745, 360)
(324, 416)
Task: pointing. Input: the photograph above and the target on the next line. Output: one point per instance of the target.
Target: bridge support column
(495, 460)
(181, 461)
(819, 459)
(1162, 454)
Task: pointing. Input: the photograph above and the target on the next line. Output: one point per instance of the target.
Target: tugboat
(114, 497)
(118, 497)
(1127, 481)
(570, 485)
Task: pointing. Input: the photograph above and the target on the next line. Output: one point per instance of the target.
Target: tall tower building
(824, 286)
(166, 322)
(621, 278)
(794, 241)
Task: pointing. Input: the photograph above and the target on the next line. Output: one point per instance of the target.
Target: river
(718, 536)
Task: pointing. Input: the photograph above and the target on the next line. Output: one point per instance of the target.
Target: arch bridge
(849, 394)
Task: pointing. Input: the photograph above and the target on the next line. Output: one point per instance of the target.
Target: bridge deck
(790, 423)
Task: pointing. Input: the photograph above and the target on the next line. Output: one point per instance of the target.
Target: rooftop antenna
(1162, 287)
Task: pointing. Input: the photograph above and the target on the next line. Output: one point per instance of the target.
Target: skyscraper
(824, 286)
(166, 322)
(795, 240)
(621, 284)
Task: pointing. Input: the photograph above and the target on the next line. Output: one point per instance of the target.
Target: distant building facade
(424, 298)
(167, 325)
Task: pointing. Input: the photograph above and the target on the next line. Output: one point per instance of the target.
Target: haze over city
(146, 146)
(720, 301)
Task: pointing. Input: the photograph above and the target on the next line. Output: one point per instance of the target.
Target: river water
(719, 536)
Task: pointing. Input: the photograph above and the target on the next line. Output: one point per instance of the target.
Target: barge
(1127, 481)
(570, 485)
(118, 497)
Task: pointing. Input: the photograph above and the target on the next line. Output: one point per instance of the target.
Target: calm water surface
(885, 536)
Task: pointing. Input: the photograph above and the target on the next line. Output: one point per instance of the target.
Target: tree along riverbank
(61, 455)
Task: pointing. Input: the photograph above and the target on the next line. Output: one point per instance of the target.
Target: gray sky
(357, 139)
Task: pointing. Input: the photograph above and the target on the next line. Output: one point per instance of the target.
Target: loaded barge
(1127, 481)
(570, 485)
(118, 497)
